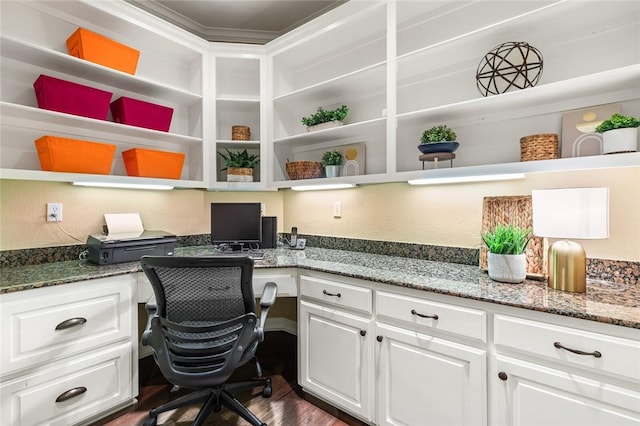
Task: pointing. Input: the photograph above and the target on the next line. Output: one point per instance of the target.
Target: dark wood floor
(288, 406)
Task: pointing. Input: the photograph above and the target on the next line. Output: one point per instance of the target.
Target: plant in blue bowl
(438, 139)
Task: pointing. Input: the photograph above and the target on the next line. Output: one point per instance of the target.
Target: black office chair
(202, 327)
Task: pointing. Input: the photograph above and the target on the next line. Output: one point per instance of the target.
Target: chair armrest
(266, 301)
(151, 311)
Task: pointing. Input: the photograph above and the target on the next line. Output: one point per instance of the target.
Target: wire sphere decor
(515, 64)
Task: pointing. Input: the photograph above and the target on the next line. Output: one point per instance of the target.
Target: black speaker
(269, 232)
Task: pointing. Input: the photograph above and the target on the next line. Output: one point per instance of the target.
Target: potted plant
(331, 161)
(239, 165)
(619, 134)
(438, 139)
(506, 260)
(333, 118)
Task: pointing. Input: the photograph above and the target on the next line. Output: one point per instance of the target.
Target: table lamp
(580, 213)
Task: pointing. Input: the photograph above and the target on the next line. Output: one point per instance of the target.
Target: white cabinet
(171, 71)
(423, 375)
(69, 352)
(578, 376)
(335, 353)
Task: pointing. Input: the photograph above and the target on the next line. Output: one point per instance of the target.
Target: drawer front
(92, 384)
(605, 354)
(428, 315)
(337, 294)
(285, 281)
(46, 324)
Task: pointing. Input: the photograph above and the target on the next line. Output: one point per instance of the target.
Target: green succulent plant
(617, 121)
(507, 239)
(240, 159)
(331, 158)
(441, 133)
(324, 116)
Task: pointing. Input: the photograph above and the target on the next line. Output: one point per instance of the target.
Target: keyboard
(253, 254)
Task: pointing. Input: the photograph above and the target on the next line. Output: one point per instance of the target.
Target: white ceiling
(237, 21)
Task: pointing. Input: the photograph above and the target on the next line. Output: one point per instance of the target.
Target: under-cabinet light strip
(321, 187)
(466, 179)
(124, 185)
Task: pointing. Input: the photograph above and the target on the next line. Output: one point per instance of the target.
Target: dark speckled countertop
(606, 302)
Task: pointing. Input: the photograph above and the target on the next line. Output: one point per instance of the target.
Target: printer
(128, 247)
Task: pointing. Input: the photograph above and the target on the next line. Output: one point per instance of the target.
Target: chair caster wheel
(268, 390)
(151, 421)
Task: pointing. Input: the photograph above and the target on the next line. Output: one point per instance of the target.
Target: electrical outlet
(337, 209)
(54, 212)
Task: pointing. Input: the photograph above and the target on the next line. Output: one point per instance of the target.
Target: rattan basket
(304, 169)
(539, 147)
(240, 133)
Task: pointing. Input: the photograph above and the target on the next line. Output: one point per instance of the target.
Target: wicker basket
(240, 133)
(304, 169)
(539, 147)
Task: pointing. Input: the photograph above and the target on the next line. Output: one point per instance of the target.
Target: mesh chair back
(205, 324)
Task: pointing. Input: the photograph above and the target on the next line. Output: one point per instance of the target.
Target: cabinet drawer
(46, 324)
(338, 294)
(605, 354)
(102, 380)
(428, 315)
(284, 279)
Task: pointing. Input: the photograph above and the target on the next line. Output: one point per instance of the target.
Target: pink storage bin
(135, 112)
(72, 98)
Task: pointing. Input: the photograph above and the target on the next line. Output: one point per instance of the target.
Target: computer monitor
(236, 224)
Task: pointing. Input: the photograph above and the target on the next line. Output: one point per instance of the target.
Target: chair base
(214, 399)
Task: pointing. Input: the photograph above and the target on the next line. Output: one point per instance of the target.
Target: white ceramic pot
(332, 171)
(620, 140)
(507, 268)
(323, 126)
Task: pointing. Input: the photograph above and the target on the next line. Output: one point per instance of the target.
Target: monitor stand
(236, 246)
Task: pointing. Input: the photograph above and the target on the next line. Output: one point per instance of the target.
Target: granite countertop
(606, 302)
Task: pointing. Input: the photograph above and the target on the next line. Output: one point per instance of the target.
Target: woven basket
(539, 147)
(304, 169)
(240, 133)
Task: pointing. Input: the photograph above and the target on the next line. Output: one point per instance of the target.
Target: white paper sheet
(123, 225)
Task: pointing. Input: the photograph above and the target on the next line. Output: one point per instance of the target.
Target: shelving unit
(170, 72)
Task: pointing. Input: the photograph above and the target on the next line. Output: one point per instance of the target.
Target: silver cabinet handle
(71, 322)
(71, 393)
(595, 354)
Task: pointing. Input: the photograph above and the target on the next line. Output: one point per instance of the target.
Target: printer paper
(123, 225)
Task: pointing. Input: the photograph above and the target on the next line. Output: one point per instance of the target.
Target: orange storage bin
(152, 163)
(72, 155)
(93, 47)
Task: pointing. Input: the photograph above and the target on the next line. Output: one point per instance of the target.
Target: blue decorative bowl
(429, 148)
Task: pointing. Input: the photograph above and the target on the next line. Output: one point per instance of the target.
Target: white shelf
(49, 59)
(342, 132)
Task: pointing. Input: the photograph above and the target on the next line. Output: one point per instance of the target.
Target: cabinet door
(530, 394)
(424, 380)
(335, 357)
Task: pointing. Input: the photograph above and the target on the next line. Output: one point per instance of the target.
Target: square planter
(65, 96)
(96, 48)
(151, 163)
(135, 112)
(76, 156)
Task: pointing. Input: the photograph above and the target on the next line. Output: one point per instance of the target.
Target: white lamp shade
(572, 213)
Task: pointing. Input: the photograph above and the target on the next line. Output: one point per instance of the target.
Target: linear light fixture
(124, 185)
(466, 179)
(322, 187)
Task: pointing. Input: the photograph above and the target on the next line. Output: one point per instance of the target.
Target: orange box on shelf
(75, 156)
(93, 47)
(152, 163)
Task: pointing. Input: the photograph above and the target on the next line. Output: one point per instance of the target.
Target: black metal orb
(515, 64)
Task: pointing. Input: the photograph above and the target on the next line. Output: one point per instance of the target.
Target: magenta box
(72, 98)
(135, 112)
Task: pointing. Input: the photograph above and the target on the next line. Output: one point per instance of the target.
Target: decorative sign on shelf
(507, 66)
(579, 137)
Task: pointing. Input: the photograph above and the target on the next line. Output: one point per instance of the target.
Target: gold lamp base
(567, 267)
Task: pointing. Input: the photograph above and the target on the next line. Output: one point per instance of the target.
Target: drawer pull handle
(71, 322)
(595, 354)
(326, 293)
(414, 312)
(71, 393)
(379, 338)
(502, 376)
(363, 333)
